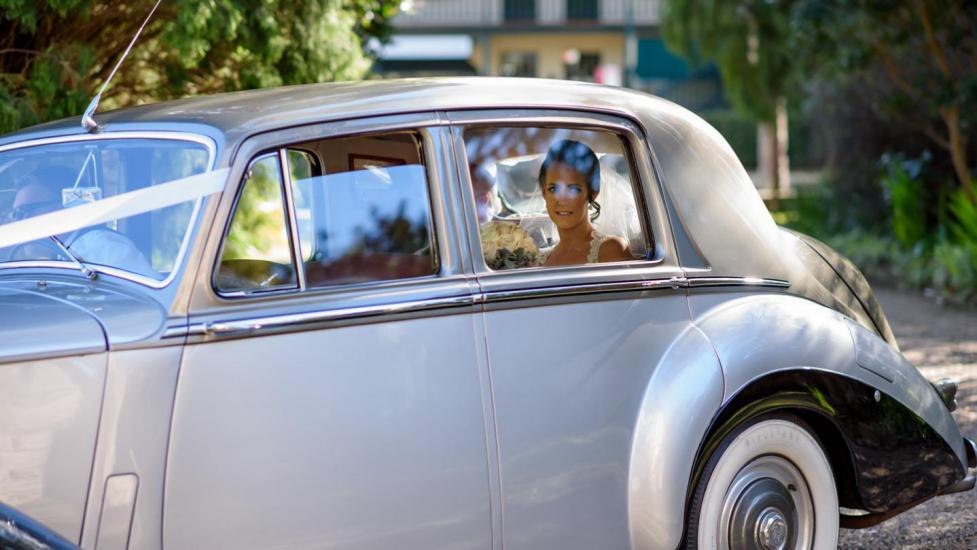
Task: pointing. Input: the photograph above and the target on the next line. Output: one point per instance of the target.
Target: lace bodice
(597, 239)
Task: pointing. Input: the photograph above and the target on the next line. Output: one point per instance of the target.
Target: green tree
(55, 54)
(925, 50)
(749, 41)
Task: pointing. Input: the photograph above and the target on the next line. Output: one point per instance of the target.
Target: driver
(40, 193)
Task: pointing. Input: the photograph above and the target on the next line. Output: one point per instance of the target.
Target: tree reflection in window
(370, 225)
(257, 251)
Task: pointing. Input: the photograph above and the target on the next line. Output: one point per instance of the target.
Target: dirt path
(943, 343)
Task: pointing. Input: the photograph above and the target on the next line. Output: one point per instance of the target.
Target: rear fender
(884, 455)
(780, 351)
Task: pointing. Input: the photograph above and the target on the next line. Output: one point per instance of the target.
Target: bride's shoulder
(612, 248)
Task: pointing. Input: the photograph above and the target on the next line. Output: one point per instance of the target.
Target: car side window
(363, 209)
(547, 197)
(257, 253)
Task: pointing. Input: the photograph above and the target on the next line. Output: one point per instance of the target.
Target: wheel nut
(771, 530)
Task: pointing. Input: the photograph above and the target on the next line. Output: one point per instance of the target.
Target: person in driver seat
(569, 179)
(39, 193)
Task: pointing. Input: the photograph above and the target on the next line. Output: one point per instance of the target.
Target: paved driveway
(943, 343)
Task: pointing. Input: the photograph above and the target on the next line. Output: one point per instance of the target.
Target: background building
(613, 42)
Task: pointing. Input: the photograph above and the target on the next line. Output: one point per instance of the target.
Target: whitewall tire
(769, 485)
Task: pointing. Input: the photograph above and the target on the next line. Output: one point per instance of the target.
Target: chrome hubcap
(768, 507)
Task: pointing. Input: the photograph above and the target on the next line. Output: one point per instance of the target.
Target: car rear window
(549, 196)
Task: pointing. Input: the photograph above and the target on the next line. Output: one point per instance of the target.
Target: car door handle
(673, 282)
(231, 328)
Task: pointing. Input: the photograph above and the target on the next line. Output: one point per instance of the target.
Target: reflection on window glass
(257, 252)
(369, 209)
(553, 196)
(302, 165)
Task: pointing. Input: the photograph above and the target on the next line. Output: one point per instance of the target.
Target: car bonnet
(51, 318)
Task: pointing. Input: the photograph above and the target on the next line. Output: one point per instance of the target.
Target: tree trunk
(958, 150)
(767, 163)
(782, 143)
(773, 164)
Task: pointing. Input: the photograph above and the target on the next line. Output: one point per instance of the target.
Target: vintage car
(359, 316)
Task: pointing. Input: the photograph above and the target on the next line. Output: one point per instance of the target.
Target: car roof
(236, 115)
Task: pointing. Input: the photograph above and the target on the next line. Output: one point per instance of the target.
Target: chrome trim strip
(177, 136)
(278, 322)
(293, 224)
(191, 226)
(253, 325)
(577, 290)
(175, 331)
(701, 282)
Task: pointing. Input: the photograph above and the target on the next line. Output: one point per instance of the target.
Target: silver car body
(559, 408)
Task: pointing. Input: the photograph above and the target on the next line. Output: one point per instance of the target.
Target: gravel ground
(942, 342)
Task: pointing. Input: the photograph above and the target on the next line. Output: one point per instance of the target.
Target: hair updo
(579, 157)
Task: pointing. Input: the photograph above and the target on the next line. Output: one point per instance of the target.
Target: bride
(570, 181)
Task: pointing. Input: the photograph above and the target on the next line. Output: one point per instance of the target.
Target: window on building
(579, 65)
(582, 10)
(518, 64)
(520, 10)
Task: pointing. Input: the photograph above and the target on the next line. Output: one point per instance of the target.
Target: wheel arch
(862, 430)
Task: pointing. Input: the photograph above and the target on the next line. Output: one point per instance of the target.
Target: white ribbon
(121, 206)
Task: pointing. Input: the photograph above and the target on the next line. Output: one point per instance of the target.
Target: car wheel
(768, 485)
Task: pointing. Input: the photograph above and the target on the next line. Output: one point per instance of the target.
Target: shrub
(906, 197)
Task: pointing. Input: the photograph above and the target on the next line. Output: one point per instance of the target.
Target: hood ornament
(88, 118)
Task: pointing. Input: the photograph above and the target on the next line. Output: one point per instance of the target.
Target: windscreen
(125, 203)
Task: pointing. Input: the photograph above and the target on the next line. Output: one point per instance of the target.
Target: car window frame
(286, 205)
(451, 291)
(291, 220)
(663, 266)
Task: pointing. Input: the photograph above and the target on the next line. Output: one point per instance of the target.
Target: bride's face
(566, 194)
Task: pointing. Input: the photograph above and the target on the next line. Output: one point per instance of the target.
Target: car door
(330, 394)
(572, 349)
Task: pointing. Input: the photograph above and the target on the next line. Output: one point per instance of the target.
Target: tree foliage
(747, 39)
(915, 59)
(55, 54)
(925, 53)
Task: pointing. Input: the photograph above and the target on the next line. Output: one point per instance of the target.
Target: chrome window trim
(292, 221)
(494, 296)
(320, 290)
(207, 142)
(634, 139)
(705, 282)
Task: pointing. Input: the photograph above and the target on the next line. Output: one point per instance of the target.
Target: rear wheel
(768, 486)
